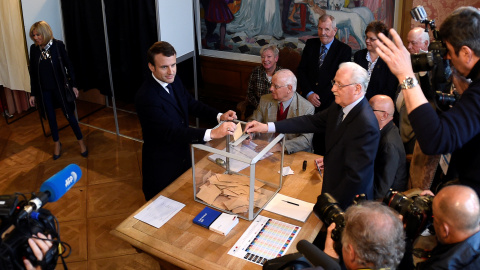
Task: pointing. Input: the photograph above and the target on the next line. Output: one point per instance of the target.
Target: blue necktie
(172, 95)
(323, 52)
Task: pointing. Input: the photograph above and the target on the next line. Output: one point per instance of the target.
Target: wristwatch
(408, 83)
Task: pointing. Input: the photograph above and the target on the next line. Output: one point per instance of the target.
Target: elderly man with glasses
(352, 136)
(391, 162)
(282, 103)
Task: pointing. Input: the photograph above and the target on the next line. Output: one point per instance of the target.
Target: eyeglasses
(278, 86)
(379, 111)
(341, 86)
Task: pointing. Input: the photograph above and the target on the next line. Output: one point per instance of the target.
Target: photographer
(373, 237)
(456, 131)
(456, 222)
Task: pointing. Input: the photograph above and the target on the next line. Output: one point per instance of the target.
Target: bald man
(457, 227)
(418, 40)
(283, 103)
(390, 170)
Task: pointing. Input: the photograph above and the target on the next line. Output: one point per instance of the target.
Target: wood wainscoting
(224, 78)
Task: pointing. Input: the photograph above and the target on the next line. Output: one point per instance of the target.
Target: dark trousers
(48, 101)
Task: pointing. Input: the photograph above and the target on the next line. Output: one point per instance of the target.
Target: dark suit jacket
(350, 148)
(382, 80)
(318, 80)
(166, 134)
(57, 52)
(390, 163)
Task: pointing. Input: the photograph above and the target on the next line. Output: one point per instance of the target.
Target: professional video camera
(21, 218)
(433, 61)
(416, 211)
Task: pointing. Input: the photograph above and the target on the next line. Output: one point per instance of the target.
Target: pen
(291, 202)
(318, 168)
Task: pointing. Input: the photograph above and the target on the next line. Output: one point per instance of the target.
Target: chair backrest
(422, 169)
(289, 58)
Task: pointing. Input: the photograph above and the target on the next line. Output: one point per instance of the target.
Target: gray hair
(376, 234)
(423, 36)
(462, 28)
(359, 74)
(325, 17)
(271, 47)
(289, 78)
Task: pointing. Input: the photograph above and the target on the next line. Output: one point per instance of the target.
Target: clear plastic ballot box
(238, 176)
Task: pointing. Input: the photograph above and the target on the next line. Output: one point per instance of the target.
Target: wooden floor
(108, 191)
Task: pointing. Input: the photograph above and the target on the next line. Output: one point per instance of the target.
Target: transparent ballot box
(238, 177)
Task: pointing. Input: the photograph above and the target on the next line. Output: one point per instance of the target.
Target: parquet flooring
(108, 192)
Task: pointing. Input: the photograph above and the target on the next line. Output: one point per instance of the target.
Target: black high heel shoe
(85, 154)
(55, 157)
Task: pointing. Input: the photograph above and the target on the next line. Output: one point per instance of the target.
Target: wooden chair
(422, 169)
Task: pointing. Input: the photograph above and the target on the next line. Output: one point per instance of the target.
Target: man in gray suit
(284, 102)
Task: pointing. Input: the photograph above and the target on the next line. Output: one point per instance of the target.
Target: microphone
(53, 189)
(316, 256)
(61, 182)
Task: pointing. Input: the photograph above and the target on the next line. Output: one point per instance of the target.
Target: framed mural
(237, 29)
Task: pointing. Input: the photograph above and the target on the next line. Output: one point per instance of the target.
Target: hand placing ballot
(256, 127)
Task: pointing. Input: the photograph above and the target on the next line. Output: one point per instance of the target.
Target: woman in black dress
(49, 68)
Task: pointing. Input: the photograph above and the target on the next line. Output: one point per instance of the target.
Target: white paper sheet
(159, 211)
(290, 207)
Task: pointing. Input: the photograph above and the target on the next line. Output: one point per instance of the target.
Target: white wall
(42, 10)
(176, 25)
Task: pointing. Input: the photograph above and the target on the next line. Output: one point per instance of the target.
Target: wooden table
(189, 246)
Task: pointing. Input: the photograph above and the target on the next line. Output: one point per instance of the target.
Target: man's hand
(75, 91)
(314, 99)
(228, 116)
(224, 129)
(256, 127)
(39, 248)
(427, 192)
(395, 55)
(32, 101)
(329, 249)
(319, 162)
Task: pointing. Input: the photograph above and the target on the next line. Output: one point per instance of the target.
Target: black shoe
(84, 154)
(55, 157)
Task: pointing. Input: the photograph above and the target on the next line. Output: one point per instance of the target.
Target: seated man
(284, 102)
(457, 227)
(390, 170)
(373, 237)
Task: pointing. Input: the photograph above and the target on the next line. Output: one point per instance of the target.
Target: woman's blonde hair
(43, 29)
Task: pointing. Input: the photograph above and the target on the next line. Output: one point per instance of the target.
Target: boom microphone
(61, 182)
(53, 189)
(315, 256)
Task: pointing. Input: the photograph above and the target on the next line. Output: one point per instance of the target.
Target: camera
(416, 211)
(436, 50)
(16, 228)
(329, 211)
(445, 101)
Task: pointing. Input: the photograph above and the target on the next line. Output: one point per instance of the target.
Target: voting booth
(241, 175)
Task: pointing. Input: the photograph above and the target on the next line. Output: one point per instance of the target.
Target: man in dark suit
(352, 136)
(163, 106)
(391, 162)
(320, 60)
